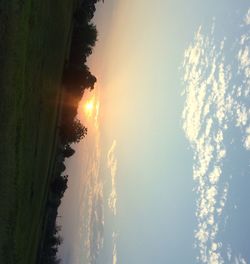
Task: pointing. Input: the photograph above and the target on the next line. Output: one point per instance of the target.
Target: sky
(163, 174)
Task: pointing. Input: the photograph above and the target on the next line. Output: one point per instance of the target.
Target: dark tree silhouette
(60, 185)
(83, 40)
(68, 151)
(79, 131)
(73, 132)
(86, 9)
(76, 79)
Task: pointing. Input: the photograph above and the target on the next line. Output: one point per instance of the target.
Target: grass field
(34, 38)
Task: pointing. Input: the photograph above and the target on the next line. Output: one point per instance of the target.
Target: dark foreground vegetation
(76, 79)
(44, 45)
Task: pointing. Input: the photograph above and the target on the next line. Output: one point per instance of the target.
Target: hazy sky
(162, 175)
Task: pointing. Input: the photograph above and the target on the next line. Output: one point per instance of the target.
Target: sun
(89, 107)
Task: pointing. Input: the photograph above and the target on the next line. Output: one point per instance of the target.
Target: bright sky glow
(89, 106)
(88, 110)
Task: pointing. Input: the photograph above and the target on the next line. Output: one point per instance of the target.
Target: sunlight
(88, 110)
(89, 107)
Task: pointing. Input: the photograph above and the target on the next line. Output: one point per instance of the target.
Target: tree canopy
(73, 132)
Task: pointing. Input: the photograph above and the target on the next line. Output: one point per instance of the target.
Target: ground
(34, 38)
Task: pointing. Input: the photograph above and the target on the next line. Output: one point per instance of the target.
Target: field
(33, 44)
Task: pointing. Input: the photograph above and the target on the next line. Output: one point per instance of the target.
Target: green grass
(33, 45)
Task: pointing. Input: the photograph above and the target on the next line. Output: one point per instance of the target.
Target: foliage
(68, 151)
(73, 132)
(76, 79)
(59, 185)
(85, 11)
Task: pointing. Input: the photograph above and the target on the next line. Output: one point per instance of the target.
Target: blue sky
(162, 176)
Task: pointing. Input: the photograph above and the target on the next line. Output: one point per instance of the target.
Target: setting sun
(89, 107)
(88, 110)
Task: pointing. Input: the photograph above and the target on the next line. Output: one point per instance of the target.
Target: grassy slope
(33, 43)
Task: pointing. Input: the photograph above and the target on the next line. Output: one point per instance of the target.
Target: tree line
(75, 80)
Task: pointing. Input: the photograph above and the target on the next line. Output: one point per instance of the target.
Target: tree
(90, 33)
(79, 131)
(86, 10)
(89, 81)
(73, 132)
(55, 241)
(68, 151)
(77, 79)
(83, 40)
(60, 185)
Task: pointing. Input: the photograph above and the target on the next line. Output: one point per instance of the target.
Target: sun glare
(88, 107)
(88, 110)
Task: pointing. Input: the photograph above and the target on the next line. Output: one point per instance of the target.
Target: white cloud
(209, 107)
(247, 17)
(114, 253)
(114, 261)
(112, 165)
(242, 115)
(205, 90)
(229, 253)
(240, 260)
(247, 139)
